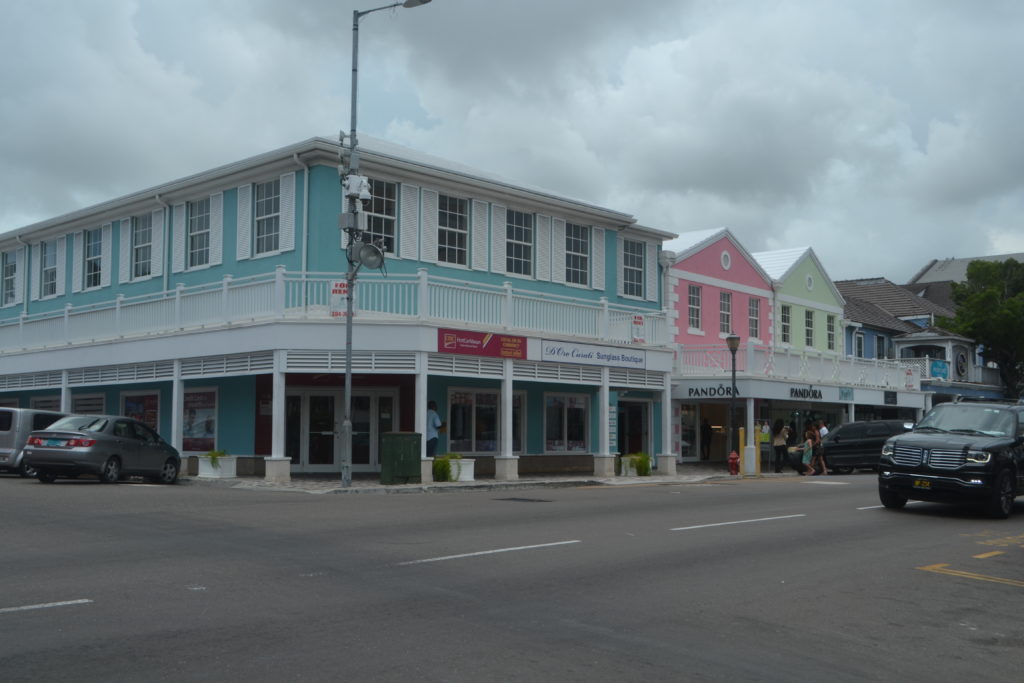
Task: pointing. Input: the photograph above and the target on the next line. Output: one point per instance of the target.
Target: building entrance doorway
(313, 428)
(634, 429)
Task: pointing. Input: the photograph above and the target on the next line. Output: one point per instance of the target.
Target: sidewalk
(370, 484)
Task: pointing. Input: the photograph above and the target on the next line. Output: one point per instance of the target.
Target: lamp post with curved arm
(733, 342)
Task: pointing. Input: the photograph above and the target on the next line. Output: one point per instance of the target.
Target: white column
(278, 467)
(851, 411)
(666, 459)
(177, 407)
(420, 393)
(506, 463)
(604, 459)
(751, 456)
(65, 393)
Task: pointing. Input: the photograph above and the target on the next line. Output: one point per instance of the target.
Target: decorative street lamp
(361, 250)
(733, 341)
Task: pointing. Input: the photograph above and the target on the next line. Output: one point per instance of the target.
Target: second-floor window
(452, 230)
(725, 312)
(880, 347)
(858, 342)
(830, 329)
(142, 245)
(577, 254)
(9, 274)
(199, 233)
(268, 216)
(381, 212)
(809, 328)
(519, 243)
(92, 257)
(785, 324)
(693, 307)
(754, 318)
(633, 268)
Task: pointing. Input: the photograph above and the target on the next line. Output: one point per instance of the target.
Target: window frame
(754, 317)
(381, 212)
(142, 252)
(198, 234)
(725, 312)
(858, 344)
(577, 254)
(694, 294)
(266, 213)
(8, 278)
(634, 252)
(92, 258)
(786, 323)
(452, 230)
(518, 420)
(809, 327)
(830, 330)
(561, 445)
(520, 230)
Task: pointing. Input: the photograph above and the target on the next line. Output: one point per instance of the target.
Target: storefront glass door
(313, 428)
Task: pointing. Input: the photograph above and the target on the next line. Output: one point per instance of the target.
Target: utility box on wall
(400, 458)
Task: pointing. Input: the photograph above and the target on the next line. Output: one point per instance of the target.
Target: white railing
(940, 369)
(307, 296)
(811, 367)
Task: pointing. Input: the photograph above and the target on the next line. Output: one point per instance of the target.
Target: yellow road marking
(943, 569)
(985, 556)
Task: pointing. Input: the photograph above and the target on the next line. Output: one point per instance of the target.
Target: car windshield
(971, 419)
(79, 423)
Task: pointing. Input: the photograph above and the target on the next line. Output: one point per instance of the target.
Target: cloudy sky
(880, 133)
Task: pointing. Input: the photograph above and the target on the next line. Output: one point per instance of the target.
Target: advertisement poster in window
(199, 427)
(143, 407)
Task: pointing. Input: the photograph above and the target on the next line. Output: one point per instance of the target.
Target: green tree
(990, 310)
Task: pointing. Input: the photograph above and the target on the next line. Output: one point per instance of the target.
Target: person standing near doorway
(434, 424)
(705, 440)
(780, 437)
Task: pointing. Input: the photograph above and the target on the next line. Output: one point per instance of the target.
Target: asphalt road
(787, 579)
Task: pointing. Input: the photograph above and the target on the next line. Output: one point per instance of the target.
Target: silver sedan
(110, 446)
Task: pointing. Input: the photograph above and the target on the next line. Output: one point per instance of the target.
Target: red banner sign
(481, 344)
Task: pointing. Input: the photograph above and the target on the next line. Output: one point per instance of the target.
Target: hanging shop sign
(846, 394)
(481, 344)
(939, 369)
(586, 354)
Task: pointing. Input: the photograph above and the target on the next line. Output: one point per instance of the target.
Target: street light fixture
(733, 342)
(361, 251)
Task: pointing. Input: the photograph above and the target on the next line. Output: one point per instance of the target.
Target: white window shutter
(216, 229)
(597, 258)
(558, 250)
(156, 259)
(542, 248)
(19, 275)
(106, 256)
(36, 274)
(124, 251)
(651, 270)
(287, 235)
(178, 240)
(243, 226)
(76, 263)
(409, 223)
(620, 265)
(62, 259)
(429, 252)
(499, 236)
(478, 235)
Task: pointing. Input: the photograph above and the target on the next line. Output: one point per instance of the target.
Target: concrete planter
(463, 469)
(224, 469)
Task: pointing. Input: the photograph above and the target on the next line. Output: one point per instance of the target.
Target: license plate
(54, 442)
(922, 484)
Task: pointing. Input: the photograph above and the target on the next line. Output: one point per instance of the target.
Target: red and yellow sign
(480, 344)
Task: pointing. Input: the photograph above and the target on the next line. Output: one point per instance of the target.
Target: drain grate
(526, 500)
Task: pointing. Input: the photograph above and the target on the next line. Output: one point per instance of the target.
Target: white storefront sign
(586, 354)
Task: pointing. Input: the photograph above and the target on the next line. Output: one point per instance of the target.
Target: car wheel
(893, 501)
(168, 473)
(841, 469)
(46, 477)
(1000, 505)
(25, 470)
(111, 471)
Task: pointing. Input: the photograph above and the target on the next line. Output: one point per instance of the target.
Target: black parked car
(959, 453)
(859, 444)
(108, 446)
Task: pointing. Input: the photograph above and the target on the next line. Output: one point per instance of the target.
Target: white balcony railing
(940, 369)
(298, 296)
(805, 366)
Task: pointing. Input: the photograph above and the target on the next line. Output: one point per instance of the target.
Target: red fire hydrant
(734, 463)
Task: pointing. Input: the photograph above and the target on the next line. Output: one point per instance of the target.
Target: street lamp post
(733, 341)
(360, 252)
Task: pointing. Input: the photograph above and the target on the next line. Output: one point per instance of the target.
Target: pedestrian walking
(434, 425)
(780, 437)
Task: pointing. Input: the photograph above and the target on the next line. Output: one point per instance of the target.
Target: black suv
(858, 444)
(959, 453)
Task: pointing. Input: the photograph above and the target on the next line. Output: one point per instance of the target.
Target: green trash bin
(400, 458)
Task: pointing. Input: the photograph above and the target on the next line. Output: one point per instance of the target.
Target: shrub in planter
(447, 467)
(641, 463)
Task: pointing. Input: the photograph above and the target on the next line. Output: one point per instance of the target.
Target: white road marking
(45, 605)
(823, 482)
(486, 552)
(742, 521)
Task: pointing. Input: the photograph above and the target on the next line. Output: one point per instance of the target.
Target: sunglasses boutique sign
(563, 352)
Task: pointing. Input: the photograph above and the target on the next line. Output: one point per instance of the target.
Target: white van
(15, 426)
